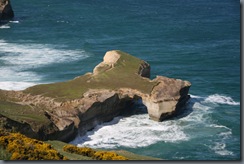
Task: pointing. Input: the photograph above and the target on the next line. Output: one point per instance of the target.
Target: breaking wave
(221, 99)
(36, 55)
(219, 146)
(139, 131)
(134, 131)
(10, 85)
(17, 62)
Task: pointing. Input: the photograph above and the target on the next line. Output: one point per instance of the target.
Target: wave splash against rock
(61, 110)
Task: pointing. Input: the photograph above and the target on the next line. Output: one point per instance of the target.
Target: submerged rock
(6, 11)
(61, 110)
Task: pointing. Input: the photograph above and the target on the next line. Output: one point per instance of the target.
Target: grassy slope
(23, 113)
(124, 74)
(58, 145)
(4, 155)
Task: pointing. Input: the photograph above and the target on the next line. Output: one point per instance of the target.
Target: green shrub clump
(98, 155)
(24, 148)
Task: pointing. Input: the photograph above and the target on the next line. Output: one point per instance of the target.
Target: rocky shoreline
(60, 111)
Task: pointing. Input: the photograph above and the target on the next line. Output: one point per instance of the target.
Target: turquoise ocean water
(194, 40)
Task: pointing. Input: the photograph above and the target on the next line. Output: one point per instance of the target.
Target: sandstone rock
(6, 11)
(61, 110)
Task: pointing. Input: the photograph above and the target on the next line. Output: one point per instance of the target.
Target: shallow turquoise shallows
(194, 40)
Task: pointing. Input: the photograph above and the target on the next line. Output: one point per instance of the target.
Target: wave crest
(18, 60)
(135, 131)
(221, 99)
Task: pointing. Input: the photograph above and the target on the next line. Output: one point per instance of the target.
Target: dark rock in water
(6, 11)
(61, 110)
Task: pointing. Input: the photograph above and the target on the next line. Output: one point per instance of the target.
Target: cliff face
(61, 110)
(6, 11)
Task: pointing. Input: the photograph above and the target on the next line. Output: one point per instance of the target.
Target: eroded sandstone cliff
(61, 110)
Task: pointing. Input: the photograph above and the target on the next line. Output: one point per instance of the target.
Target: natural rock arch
(78, 105)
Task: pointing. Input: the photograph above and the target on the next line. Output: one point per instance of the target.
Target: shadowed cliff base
(61, 110)
(6, 11)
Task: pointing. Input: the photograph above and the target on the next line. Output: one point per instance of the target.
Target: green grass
(35, 117)
(123, 75)
(4, 155)
(58, 145)
(133, 156)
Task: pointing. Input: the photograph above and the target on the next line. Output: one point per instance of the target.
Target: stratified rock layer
(61, 110)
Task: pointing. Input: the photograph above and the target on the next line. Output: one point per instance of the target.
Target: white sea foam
(220, 126)
(140, 131)
(17, 75)
(14, 21)
(4, 26)
(220, 148)
(15, 85)
(221, 99)
(36, 55)
(134, 131)
(20, 59)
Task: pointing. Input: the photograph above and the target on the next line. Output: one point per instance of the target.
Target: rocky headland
(62, 110)
(6, 11)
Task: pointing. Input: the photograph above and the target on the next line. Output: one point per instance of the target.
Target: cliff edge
(61, 110)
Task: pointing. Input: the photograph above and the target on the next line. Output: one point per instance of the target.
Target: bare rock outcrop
(6, 11)
(61, 110)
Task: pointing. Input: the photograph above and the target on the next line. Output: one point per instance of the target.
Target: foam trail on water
(139, 131)
(219, 146)
(221, 99)
(36, 55)
(134, 131)
(17, 62)
(216, 99)
(15, 85)
(4, 27)
(203, 106)
(14, 21)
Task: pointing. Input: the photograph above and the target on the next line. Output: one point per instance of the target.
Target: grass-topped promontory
(123, 74)
(57, 111)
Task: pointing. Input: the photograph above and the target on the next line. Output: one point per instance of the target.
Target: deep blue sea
(195, 40)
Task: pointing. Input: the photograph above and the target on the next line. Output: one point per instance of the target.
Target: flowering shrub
(85, 151)
(24, 148)
(105, 155)
(98, 155)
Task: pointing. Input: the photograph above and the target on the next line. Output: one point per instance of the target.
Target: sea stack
(61, 110)
(6, 11)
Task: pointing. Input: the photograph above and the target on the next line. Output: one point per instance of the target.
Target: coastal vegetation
(16, 146)
(124, 72)
(57, 111)
(23, 148)
(98, 155)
